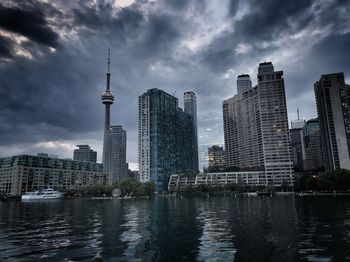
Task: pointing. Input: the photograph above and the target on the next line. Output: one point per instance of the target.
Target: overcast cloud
(53, 62)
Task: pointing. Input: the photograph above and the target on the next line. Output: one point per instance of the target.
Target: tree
(131, 186)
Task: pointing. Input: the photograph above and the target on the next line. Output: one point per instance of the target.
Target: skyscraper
(297, 144)
(333, 108)
(190, 107)
(274, 124)
(165, 138)
(85, 153)
(243, 83)
(114, 140)
(312, 141)
(256, 128)
(242, 131)
(116, 153)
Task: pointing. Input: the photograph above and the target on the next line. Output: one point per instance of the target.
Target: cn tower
(107, 99)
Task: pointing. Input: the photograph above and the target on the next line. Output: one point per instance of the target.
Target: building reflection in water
(216, 239)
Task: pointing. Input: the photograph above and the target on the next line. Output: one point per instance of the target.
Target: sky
(53, 62)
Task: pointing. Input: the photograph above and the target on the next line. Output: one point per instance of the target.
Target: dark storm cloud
(172, 45)
(29, 23)
(267, 19)
(6, 46)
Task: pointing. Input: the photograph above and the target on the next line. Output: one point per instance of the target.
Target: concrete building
(216, 156)
(23, 173)
(333, 108)
(242, 131)
(256, 128)
(85, 153)
(248, 178)
(114, 139)
(165, 136)
(274, 124)
(243, 83)
(190, 107)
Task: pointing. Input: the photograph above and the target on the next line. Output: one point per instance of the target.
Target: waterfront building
(190, 107)
(25, 173)
(248, 178)
(85, 153)
(216, 156)
(256, 128)
(333, 109)
(243, 83)
(165, 137)
(242, 132)
(114, 139)
(312, 141)
(274, 124)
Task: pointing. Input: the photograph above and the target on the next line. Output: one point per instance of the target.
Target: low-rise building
(23, 173)
(249, 178)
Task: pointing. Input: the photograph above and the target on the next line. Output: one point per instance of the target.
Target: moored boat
(47, 193)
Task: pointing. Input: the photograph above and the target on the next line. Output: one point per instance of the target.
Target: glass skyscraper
(190, 107)
(166, 138)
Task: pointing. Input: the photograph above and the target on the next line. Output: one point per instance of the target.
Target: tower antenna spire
(298, 113)
(108, 71)
(109, 62)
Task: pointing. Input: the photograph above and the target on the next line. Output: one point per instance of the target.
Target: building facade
(297, 144)
(274, 124)
(312, 142)
(242, 132)
(190, 107)
(333, 108)
(256, 128)
(114, 138)
(85, 153)
(216, 156)
(248, 178)
(115, 149)
(24, 173)
(165, 138)
(244, 83)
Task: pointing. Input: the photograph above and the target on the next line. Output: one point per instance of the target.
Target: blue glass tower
(165, 138)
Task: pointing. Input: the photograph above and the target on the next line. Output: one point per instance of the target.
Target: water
(279, 228)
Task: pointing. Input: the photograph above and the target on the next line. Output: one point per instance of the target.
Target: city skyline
(54, 105)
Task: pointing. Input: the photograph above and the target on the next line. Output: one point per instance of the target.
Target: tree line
(128, 187)
(338, 180)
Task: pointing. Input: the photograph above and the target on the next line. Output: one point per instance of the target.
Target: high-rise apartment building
(242, 131)
(166, 141)
(114, 139)
(216, 156)
(333, 108)
(256, 128)
(84, 153)
(274, 124)
(190, 107)
(243, 83)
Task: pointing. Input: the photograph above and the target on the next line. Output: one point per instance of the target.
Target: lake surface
(279, 228)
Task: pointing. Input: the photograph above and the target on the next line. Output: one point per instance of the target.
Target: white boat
(47, 193)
